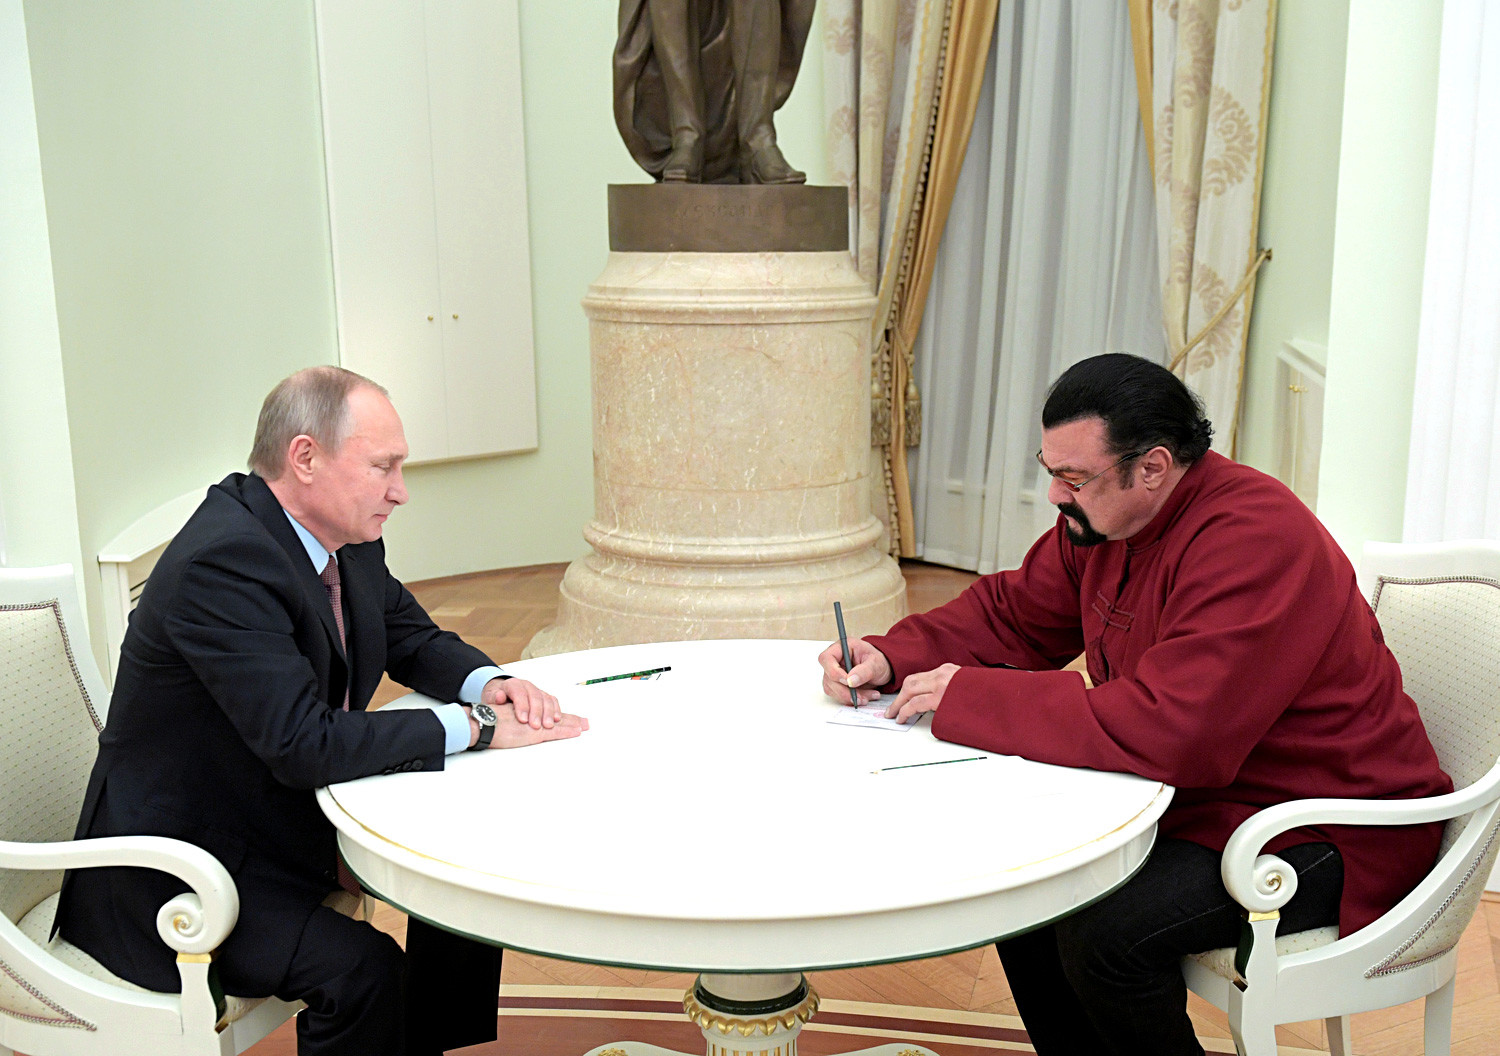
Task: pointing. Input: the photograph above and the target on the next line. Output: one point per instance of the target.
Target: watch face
(484, 714)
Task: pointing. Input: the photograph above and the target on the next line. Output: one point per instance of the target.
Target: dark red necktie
(335, 588)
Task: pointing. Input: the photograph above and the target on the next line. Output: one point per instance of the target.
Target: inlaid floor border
(932, 1027)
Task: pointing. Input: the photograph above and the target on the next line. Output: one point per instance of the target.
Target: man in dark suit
(242, 686)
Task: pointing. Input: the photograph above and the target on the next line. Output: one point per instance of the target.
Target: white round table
(712, 819)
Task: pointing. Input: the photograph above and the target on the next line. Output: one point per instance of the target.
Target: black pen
(838, 614)
(628, 674)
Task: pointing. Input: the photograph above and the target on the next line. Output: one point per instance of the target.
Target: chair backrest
(1445, 632)
(52, 706)
(1439, 608)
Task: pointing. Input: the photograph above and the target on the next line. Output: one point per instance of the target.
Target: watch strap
(486, 728)
(486, 735)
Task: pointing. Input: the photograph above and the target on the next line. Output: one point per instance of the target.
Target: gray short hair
(315, 402)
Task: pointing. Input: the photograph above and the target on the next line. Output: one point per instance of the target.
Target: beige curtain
(903, 77)
(1205, 67)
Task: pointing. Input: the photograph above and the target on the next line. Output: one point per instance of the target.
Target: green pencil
(628, 674)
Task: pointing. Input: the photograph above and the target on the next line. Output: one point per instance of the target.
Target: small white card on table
(873, 715)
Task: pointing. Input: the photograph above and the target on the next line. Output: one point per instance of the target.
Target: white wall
(1344, 208)
(38, 515)
(1299, 194)
(182, 160)
(1379, 245)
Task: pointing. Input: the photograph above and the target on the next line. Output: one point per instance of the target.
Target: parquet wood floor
(500, 611)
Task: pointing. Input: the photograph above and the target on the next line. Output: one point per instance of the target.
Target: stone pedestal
(731, 434)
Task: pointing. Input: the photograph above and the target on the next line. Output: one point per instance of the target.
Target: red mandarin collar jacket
(1232, 655)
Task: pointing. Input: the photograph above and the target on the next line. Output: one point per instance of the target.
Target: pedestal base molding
(731, 398)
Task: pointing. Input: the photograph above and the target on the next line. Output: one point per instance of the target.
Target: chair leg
(1251, 1024)
(1339, 1043)
(1252, 1020)
(1437, 1017)
(1257, 1038)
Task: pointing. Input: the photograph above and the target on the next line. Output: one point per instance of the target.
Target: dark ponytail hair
(1143, 405)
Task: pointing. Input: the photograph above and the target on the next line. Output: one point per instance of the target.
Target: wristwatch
(486, 717)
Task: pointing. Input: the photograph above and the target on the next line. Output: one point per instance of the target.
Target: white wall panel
(427, 204)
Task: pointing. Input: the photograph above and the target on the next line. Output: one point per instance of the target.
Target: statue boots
(755, 31)
(761, 160)
(766, 164)
(685, 163)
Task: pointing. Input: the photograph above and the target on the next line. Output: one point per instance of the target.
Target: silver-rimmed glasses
(1079, 486)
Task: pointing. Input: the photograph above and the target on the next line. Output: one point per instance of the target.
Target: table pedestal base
(750, 1015)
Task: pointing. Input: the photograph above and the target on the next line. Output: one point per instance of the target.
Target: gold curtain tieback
(1218, 317)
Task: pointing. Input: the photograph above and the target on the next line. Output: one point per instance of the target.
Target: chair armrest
(1263, 883)
(194, 923)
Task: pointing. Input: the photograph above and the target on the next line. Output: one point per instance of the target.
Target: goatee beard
(1084, 534)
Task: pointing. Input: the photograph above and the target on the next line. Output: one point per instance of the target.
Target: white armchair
(1439, 608)
(55, 1000)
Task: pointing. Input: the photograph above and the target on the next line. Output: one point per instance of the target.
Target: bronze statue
(697, 83)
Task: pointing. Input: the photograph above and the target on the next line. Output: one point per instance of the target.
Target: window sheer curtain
(1453, 477)
(1049, 257)
(901, 81)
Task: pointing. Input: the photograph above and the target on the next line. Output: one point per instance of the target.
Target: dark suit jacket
(226, 715)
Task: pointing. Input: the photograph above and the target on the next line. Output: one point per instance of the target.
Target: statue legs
(674, 35)
(754, 37)
(755, 41)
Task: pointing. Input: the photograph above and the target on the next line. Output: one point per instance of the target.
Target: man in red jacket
(1230, 654)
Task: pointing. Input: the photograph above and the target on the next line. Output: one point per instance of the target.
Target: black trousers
(1108, 980)
(365, 998)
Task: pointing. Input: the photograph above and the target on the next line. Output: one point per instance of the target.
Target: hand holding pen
(871, 670)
